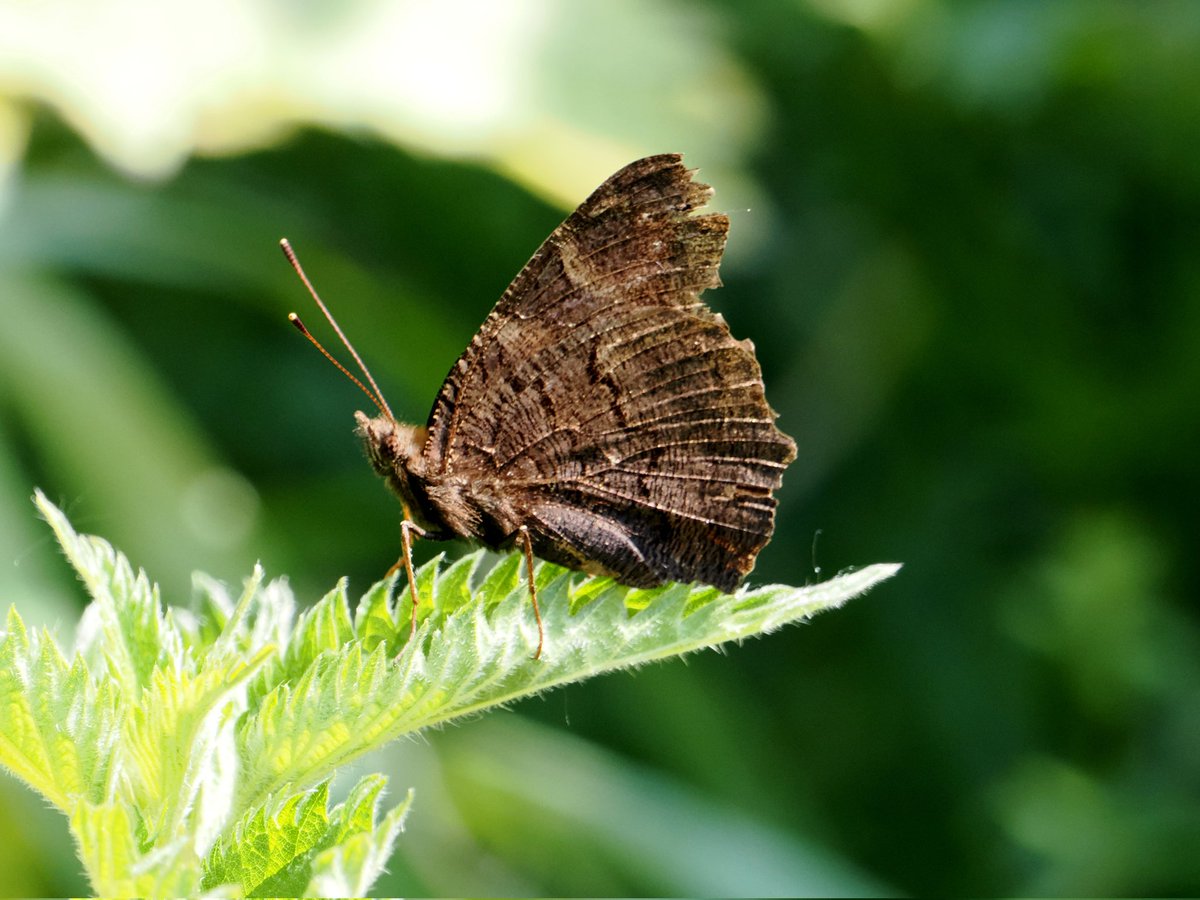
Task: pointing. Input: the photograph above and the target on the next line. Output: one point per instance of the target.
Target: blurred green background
(966, 242)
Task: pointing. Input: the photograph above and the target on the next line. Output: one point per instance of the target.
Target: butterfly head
(390, 444)
(394, 450)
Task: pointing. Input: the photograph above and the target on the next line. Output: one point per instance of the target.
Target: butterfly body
(603, 413)
(444, 505)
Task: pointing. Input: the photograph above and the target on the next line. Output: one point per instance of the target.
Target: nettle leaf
(112, 846)
(299, 848)
(134, 635)
(193, 751)
(263, 617)
(179, 741)
(58, 727)
(351, 865)
(469, 656)
(324, 626)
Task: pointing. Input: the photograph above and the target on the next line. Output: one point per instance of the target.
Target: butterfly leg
(409, 528)
(523, 536)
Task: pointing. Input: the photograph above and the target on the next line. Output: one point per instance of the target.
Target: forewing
(604, 406)
(631, 241)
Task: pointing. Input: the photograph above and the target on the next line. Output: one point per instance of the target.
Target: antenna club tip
(295, 320)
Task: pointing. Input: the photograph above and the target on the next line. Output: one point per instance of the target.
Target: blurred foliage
(965, 243)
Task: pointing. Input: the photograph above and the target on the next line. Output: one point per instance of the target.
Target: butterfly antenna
(374, 393)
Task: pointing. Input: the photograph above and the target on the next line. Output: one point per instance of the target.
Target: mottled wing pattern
(606, 408)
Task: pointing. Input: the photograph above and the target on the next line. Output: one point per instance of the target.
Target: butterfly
(603, 417)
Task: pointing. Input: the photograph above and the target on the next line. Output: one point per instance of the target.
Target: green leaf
(194, 751)
(285, 848)
(57, 726)
(134, 635)
(350, 867)
(469, 657)
(112, 846)
(178, 742)
(325, 626)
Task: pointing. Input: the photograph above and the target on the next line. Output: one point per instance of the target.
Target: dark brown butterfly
(603, 418)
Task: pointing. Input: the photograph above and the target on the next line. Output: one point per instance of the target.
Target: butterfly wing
(606, 408)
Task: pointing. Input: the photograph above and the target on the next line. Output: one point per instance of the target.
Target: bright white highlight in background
(148, 83)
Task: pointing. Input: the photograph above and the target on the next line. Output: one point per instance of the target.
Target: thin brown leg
(523, 532)
(407, 530)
